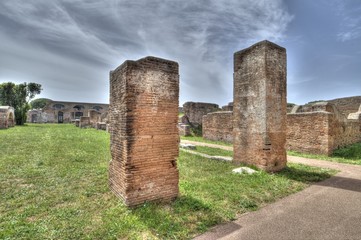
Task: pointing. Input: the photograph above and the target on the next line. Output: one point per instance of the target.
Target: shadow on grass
(306, 175)
(180, 219)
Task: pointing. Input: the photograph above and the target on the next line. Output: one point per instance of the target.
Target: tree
(18, 96)
(39, 103)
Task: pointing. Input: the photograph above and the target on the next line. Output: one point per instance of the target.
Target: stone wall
(143, 119)
(7, 117)
(228, 107)
(196, 110)
(347, 105)
(94, 117)
(84, 122)
(260, 106)
(320, 128)
(218, 126)
(37, 116)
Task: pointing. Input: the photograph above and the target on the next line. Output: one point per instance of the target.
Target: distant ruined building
(65, 112)
(317, 127)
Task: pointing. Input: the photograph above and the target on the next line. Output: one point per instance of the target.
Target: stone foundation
(259, 107)
(143, 119)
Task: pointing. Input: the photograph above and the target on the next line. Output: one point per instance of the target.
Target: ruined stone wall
(7, 117)
(84, 122)
(143, 119)
(308, 132)
(320, 128)
(228, 107)
(94, 117)
(71, 110)
(218, 126)
(347, 105)
(259, 106)
(3, 120)
(196, 110)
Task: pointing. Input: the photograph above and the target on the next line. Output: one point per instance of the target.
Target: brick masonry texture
(143, 116)
(321, 128)
(196, 110)
(317, 128)
(218, 126)
(259, 107)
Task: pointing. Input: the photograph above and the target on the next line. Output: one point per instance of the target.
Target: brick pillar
(143, 117)
(260, 106)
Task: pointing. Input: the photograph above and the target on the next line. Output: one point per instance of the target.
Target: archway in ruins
(60, 117)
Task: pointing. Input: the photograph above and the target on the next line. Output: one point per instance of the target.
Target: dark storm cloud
(70, 45)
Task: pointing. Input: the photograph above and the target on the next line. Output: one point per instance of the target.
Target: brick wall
(196, 110)
(218, 126)
(143, 119)
(321, 130)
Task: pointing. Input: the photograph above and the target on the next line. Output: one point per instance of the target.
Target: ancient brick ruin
(259, 107)
(64, 112)
(218, 126)
(194, 111)
(84, 122)
(7, 117)
(94, 117)
(143, 119)
(320, 128)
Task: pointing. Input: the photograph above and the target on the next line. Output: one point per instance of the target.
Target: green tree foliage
(39, 103)
(18, 97)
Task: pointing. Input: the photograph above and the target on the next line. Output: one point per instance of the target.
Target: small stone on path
(188, 146)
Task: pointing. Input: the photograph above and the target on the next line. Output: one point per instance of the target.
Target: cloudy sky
(69, 46)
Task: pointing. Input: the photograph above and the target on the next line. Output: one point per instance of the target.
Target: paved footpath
(330, 209)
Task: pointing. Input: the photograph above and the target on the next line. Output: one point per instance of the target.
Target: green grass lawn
(350, 154)
(54, 185)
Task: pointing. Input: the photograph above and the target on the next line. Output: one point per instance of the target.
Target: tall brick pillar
(143, 117)
(259, 109)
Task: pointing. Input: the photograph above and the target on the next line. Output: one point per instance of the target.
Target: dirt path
(330, 209)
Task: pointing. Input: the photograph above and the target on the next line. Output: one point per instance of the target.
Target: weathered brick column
(259, 108)
(143, 119)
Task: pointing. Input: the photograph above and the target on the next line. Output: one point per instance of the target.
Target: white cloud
(201, 35)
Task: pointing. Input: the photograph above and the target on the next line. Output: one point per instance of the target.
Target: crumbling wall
(218, 126)
(308, 132)
(228, 107)
(347, 105)
(259, 106)
(7, 117)
(195, 111)
(94, 117)
(84, 122)
(320, 128)
(143, 119)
